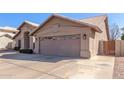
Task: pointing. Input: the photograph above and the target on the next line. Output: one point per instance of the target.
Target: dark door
(19, 43)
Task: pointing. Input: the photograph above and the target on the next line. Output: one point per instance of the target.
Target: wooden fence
(107, 47)
(119, 48)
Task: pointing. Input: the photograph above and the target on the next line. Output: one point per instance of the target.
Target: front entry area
(67, 45)
(26, 40)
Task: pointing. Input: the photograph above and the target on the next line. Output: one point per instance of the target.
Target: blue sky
(15, 19)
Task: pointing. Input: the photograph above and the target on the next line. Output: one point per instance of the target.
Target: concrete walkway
(34, 66)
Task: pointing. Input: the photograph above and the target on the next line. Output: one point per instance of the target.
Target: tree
(122, 37)
(115, 32)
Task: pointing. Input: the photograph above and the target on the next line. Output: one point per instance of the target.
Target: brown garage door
(61, 45)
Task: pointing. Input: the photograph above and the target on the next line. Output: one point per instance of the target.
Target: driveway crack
(34, 70)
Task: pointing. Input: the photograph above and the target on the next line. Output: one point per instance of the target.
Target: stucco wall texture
(25, 29)
(61, 26)
(88, 47)
(5, 43)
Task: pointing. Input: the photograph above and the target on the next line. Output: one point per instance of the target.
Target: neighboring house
(6, 42)
(62, 36)
(22, 38)
(6, 34)
(8, 30)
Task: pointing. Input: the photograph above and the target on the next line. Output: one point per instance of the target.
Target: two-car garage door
(68, 45)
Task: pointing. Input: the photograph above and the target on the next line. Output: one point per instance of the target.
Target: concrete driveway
(33, 66)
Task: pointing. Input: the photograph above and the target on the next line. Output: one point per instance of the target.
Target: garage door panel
(70, 47)
(47, 47)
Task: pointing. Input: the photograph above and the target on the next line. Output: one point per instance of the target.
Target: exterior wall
(3, 33)
(5, 43)
(95, 42)
(96, 38)
(92, 43)
(22, 39)
(101, 22)
(16, 40)
(24, 29)
(37, 42)
(103, 35)
(51, 28)
(89, 47)
(32, 40)
(101, 48)
(27, 40)
(85, 52)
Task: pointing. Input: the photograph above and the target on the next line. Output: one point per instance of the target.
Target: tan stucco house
(22, 39)
(6, 34)
(62, 36)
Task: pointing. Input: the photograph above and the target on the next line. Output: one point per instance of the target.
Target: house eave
(62, 17)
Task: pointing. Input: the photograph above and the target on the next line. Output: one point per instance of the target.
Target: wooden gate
(109, 47)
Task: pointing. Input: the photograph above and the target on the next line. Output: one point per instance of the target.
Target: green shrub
(17, 48)
(27, 51)
(122, 37)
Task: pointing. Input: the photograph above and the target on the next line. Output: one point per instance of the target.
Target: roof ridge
(66, 18)
(8, 28)
(7, 35)
(73, 19)
(25, 22)
(32, 23)
(94, 16)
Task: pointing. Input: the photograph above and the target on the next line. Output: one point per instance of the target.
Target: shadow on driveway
(8, 54)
